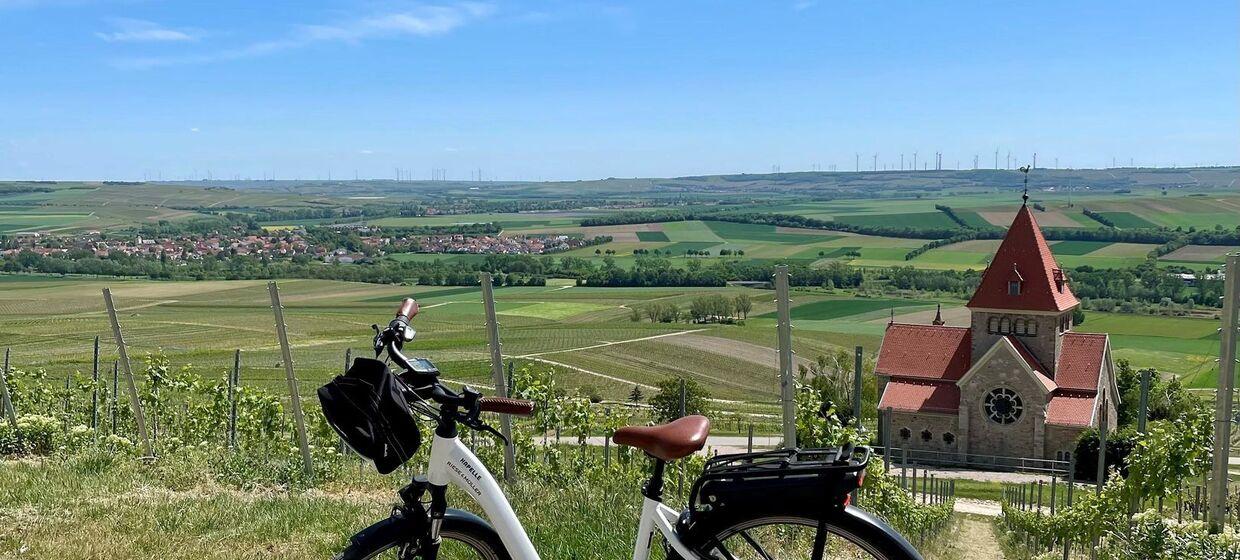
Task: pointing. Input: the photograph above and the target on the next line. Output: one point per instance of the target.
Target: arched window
(905, 433)
(1020, 326)
(1032, 327)
(992, 326)
(949, 438)
(1005, 325)
(926, 436)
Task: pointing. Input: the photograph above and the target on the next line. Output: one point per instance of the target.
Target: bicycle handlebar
(408, 309)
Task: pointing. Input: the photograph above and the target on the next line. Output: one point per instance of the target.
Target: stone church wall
(1023, 438)
(916, 423)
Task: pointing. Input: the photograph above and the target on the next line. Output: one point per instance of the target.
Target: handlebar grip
(408, 308)
(502, 405)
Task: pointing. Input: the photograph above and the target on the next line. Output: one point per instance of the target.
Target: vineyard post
(94, 389)
(1102, 447)
(116, 388)
(4, 393)
(885, 428)
(857, 386)
(787, 386)
(1226, 385)
(348, 362)
(134, 403)
(286, 355)
(234, 379)
(749, 443)
(1071, 478)
(68, 388)
(497, 372)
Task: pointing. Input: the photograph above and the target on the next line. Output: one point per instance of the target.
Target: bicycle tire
(460, 529)
(866, 532)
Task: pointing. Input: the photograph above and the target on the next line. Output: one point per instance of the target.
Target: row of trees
(703, 309)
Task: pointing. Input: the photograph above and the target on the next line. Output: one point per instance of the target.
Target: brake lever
(478, 424)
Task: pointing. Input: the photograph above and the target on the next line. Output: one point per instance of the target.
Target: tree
(743, 305)
(666, 403)
(653, 312)
(635, 396)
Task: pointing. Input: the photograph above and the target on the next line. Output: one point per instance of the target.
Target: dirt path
(608, 343)
(976, 539)
(984, 508)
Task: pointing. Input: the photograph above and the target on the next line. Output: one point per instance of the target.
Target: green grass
(1127, 220)
(1077, 247)
(652, 236)
(733, 232)
(934, 219)
(837, 308)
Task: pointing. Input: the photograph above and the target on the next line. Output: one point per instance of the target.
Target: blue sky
(567, 90)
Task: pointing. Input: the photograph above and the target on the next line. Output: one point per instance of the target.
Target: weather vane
(1025, 197)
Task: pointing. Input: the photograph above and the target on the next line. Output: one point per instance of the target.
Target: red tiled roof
(1038, 369)
(920, 396)
(925, 352)
(1080, 361)
(1024, 255)
(1070, 410)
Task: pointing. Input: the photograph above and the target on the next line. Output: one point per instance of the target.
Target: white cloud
(423, 21)
(804, 4)
(128, 30)
(195, 129)
(365, 152)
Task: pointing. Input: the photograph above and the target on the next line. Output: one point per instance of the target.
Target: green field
(652, 236)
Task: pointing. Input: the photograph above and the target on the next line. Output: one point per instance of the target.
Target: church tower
(1023, 295)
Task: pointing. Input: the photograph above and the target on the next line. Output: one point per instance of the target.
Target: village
(369, 243)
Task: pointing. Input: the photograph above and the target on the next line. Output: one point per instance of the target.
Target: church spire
(938, 317)
(1023, 275)
(1025, 197)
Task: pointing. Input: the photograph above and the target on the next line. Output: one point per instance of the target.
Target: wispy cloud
(128, 30)
(802, 5)
(422, 21)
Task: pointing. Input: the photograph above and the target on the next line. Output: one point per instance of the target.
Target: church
(1018, 382)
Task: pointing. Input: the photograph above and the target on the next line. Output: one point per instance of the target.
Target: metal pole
(749, 442)
(234, 379)
(1102, 445)
(1226, 385)
(885, 422)
(1144, 403)
(4, 393)
(497, 372)
(134, 403)
(116, 380)
(286, 355)
(783, 306)
(857, 386)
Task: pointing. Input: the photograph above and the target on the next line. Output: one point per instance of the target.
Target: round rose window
(1003, 406)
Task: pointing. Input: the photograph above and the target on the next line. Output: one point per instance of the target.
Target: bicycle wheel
(463, 539)
(799, 538)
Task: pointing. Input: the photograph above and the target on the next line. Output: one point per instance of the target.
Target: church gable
(998, 365)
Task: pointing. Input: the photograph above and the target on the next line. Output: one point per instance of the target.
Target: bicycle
(779, 504)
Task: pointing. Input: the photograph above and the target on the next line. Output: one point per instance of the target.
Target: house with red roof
(1017, 382)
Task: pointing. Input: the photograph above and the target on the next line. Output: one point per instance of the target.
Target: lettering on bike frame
(453, 463)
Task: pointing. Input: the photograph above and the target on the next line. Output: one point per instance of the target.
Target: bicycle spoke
(754, 544)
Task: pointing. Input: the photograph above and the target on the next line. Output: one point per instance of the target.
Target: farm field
(585, 333)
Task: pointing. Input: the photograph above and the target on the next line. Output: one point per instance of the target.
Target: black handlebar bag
(367, 407)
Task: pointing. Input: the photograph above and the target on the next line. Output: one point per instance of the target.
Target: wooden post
(885, 422)
(94, 388)
(749, 445)
(857, 358)
(497, 372)
(9, 412)
(135, 404)
(1226, 385)
(1071, 478)
(286, 354)
(116, 384)
(783, 327)
(234, 380)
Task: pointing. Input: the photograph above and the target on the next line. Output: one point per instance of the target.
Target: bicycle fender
(401, 527)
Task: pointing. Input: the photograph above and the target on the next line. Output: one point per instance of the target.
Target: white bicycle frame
(453, 463)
